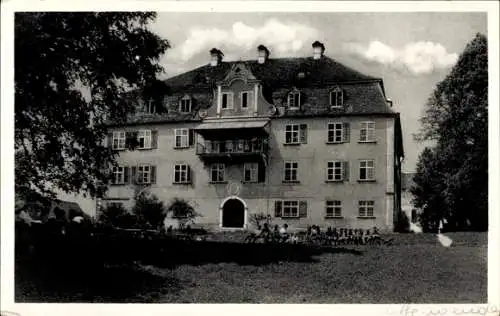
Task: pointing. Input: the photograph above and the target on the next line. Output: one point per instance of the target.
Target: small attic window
(294, 99)
(336, 98)
(185, 104)
(150, 107)
(237, 70)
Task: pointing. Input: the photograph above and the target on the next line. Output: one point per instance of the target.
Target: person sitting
(276, 237)
(350, 236)
(340, 236)
(265, 233)
(284, 229)
(368, 237)
(253, 236)
(284, 233)
(329, 236)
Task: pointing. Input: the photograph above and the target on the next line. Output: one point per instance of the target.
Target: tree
(60, 58)
(452, 178)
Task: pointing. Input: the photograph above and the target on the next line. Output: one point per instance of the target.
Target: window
(245, 99)
(227, 100)
(295, 134)
(217, 173)
(182, 174)
(291, 168)
(144, 174)
(115, 204)
(185, 106)
(251, 172)
(118, 175)
(181, 138)
(367, 132)
(335, 132)
(365, 208)
(336, 98)
(151, 107)
(333, 209)
(294, 99)
(144, 138)
(292, 134)
(290, 209)
(335, 171)
(367, 170)
(118, 140)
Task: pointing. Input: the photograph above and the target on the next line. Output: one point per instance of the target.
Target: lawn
(415, 269)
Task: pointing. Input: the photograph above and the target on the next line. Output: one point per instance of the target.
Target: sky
(411, 52)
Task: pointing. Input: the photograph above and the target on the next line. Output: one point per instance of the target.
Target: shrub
(114, 215)
(258, 219)
(403, 223)
(150, 211)
(181, 210)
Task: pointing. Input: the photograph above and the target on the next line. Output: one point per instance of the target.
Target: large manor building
(308, 141)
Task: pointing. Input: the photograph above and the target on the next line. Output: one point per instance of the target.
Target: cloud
(281, 38)
(417, 57)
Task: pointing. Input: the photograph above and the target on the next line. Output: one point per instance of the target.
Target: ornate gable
(238, 71)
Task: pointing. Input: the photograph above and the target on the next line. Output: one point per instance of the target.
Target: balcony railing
(241, 146)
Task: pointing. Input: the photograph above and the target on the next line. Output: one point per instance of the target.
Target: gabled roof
(276, 72)
(364, 95)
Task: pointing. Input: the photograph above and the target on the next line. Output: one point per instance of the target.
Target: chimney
(318, 50)
(263, 54)
(216, 57)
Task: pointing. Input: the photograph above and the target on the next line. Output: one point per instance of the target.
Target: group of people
(315, 235)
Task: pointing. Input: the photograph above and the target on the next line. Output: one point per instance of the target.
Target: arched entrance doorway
(233, 213)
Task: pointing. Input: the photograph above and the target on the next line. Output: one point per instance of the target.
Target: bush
(403, 223)
(181, 210)
(150, 211)
(258, 219)
(115, 215)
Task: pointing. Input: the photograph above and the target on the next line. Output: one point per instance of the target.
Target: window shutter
(347, 132)
(110, 140)
(371, 172)
(303, 209)
(153, 174)
(261, 172)
(133, 174)
(303, 133)
(346, 170)
(126, 175)
(278, 208)
(191, 137)
(154, 139)
(189, 174)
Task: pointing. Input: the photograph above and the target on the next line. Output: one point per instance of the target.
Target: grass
(415, 269)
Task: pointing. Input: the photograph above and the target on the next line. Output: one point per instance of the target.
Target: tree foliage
(452, 177)
(70, 71)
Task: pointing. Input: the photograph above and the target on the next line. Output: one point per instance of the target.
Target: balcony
(232, 149)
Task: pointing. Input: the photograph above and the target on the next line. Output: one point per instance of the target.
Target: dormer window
(245, 98)
(336, 98)
(227, 100)
(150, 107)
(294, 100)
(185, 105)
